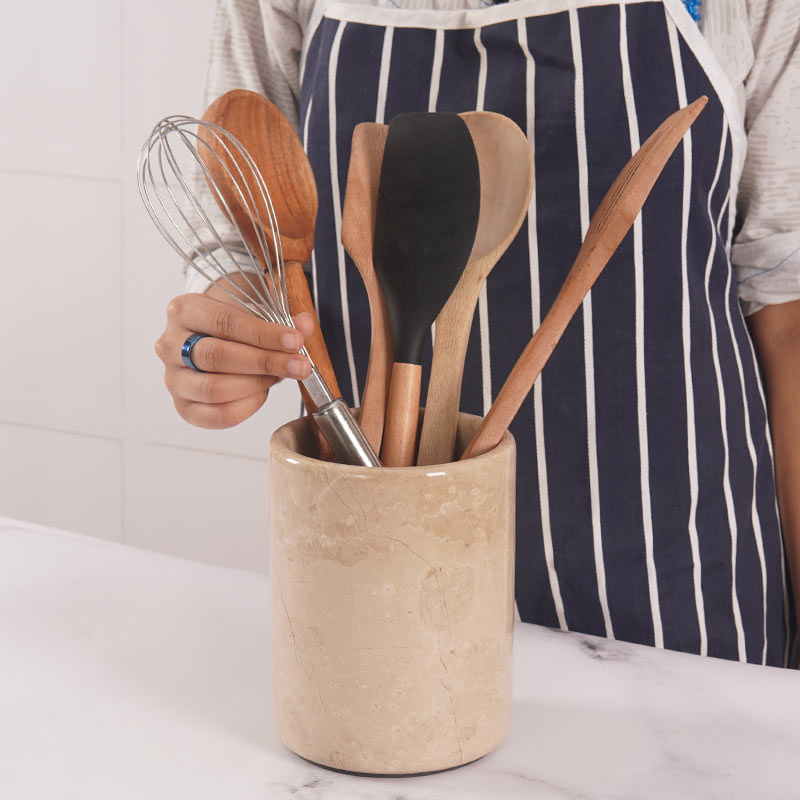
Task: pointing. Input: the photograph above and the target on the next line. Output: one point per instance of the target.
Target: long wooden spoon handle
(300, 301)
(438, 437)
(402, 416)
(609, 224)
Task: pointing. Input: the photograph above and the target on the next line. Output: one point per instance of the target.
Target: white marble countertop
(127, 674)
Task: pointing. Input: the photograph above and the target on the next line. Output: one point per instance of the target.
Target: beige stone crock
(392, 596)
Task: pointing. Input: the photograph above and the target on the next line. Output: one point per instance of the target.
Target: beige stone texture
(392, 596)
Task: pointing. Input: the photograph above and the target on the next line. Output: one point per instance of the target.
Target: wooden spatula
(358, 231)
(612, 220)
(506, 167)
(425, 223)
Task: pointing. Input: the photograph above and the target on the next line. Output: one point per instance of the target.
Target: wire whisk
(235, 236)
(182, 219)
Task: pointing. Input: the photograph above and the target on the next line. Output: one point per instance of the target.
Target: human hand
(242, 358)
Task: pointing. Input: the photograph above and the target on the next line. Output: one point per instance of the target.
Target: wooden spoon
(506, 168)
(278, 154)
(358, 231)
(425, 223)
(609, 224)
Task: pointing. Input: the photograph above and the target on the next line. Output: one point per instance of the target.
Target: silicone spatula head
(425, 221)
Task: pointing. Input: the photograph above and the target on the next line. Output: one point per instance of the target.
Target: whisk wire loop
(279, 290)
(248, 202)
(184, 222)
(154, 150)
(210, 258)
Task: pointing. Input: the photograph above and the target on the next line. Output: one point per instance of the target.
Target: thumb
(305, 324)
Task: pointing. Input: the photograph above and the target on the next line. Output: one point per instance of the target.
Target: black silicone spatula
(425, 223)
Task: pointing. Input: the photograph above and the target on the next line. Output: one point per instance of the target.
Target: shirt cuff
(767, 270)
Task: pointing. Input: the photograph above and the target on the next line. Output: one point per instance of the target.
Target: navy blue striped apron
(646, 502)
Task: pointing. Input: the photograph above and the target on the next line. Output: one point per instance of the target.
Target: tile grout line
(87, 174)
(123, 362)
(122, 435)
(106, 437)
(188, 449)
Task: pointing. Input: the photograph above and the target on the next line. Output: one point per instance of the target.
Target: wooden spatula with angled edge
(358, 231)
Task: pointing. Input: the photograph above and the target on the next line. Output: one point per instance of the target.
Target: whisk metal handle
(344, 436)
(337, 424)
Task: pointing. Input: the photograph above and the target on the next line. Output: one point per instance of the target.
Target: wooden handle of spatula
(402, 416)
(358, 231)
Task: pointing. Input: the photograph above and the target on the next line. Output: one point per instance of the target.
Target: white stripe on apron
(336, 200)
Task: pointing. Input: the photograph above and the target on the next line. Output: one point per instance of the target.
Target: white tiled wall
(89, 440)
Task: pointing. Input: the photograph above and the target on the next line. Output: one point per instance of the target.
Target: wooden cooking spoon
(425, 224)
(358, 231)
(506, 167)
(278, 154)
(612, 220)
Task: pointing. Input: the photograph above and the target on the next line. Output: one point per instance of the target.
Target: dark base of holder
(389, 775)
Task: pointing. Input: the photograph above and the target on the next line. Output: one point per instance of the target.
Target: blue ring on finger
(186, 350)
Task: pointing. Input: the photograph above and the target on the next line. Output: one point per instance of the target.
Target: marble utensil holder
(392, 596)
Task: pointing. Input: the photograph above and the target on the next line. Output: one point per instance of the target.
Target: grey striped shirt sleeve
(766, 248)
(256, 46)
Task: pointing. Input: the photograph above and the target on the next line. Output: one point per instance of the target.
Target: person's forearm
(776, 333)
